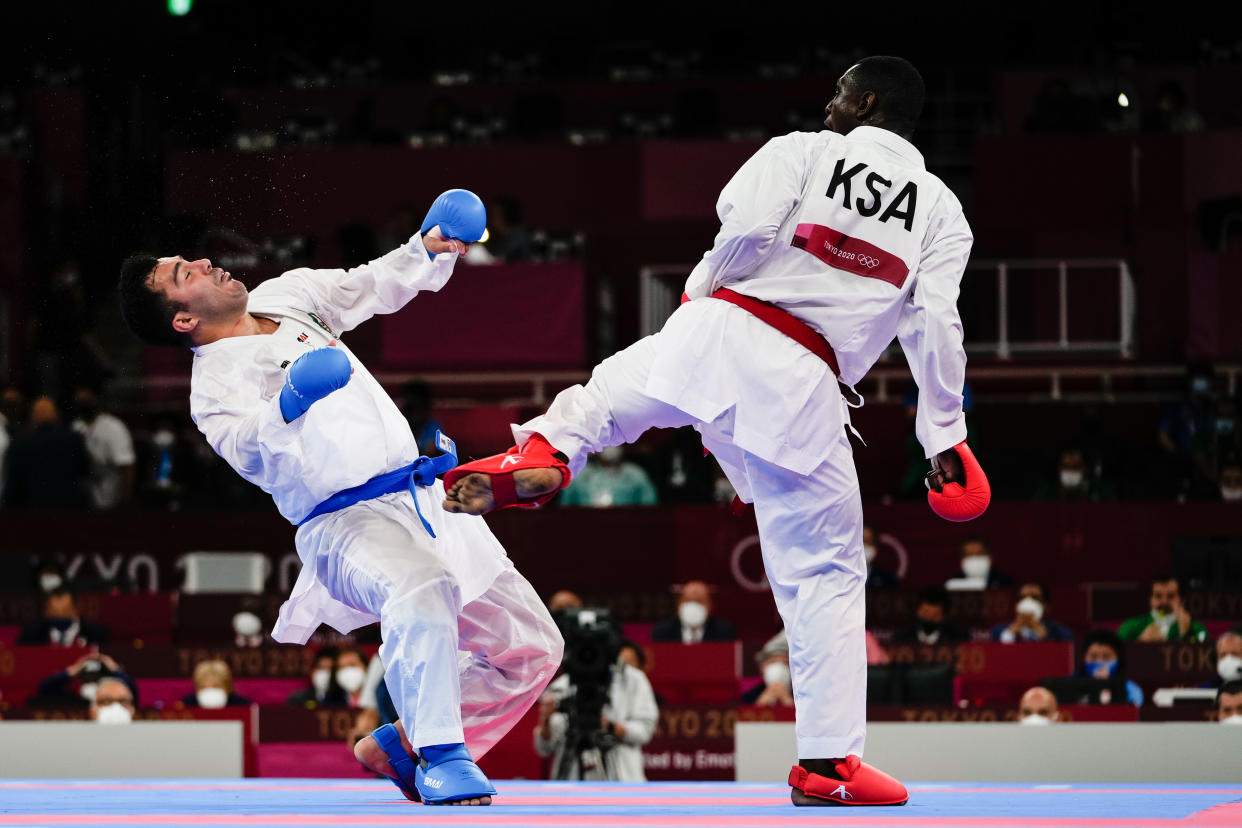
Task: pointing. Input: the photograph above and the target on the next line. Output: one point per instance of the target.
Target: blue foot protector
(402, 763)
(449, 774)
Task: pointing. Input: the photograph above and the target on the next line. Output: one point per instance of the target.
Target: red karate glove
(957, 488)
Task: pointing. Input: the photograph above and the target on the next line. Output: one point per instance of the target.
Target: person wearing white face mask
(1030, 621)
(322, 689)
(114, 703)
(1075, 481)
(351, 674)
(1229, 703)
(213, 687)
(776, 690)
(977, 569)
(1038, 707)
(1228, 658)
(694, 621)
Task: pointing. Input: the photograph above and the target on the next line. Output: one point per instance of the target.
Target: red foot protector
(958, 502)
(537, 453)
(860, 784)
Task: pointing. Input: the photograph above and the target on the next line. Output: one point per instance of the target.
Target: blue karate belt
(422, 472)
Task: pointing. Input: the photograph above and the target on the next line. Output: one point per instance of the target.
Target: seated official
(213, 687)
(694, 621)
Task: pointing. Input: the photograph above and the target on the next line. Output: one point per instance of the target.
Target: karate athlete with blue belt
(467, 644)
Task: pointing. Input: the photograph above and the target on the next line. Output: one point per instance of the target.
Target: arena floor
(301, 802)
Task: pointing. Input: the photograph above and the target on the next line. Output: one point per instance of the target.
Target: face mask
(976, 566)
(351, 678)
(212, 698)
(320, 679)
(1231, 493)
(722, 490)
(113, 714)
(1093, 666)
(611, 455)
(1032, 607)
(247, 624)
(776, 673)
(692, 614)
(49, 582)
(163, 439)
(1070, 479)
(1035, 719)
(88, 691)
(1235, 719)
(1164, 620)
(869, 552)
(1229, 668)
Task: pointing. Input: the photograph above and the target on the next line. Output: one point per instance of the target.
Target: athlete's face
(842, 110)
(207, 294)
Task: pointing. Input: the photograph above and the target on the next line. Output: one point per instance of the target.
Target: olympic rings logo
(869, 261)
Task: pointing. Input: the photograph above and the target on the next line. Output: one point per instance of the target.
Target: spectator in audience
(628, 722)
(1229, 703)
(1075, 482)
(776, 689)
(1185, 429)
(563, 599)
(681, 472)
(1103, 658)
(878, 577)
(111, 451)
(49, 577)
(610, 480)
(213, 687)
(1168, 619)
(1228, 658)
(416, 406)
(114, 702)
(694, 621)
(61, 625)
(977, 569)
(1038, 707)
(321, 687)
(931, 626)
(78, 684)
(46, 466)
(1030, 623)
(248, 627)
(1231, 482)
(351, 674)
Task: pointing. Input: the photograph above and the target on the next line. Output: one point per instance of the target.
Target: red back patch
(843, 252)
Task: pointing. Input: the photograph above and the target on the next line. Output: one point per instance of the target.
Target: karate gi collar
(889, 140)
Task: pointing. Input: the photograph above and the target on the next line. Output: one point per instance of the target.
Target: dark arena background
(1097, 151)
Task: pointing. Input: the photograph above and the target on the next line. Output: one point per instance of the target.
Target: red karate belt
(784, 321)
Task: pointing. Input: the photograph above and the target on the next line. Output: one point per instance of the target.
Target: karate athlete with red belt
(831, 244)
(467, 644)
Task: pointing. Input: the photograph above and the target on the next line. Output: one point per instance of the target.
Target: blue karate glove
(460, 214)
(312, 376)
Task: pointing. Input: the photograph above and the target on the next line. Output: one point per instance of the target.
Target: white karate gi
(374, 561)
(769, 410)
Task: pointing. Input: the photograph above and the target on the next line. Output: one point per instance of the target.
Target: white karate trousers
(456, 672)
(810, 525)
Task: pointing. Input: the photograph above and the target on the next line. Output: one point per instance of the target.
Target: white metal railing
(660, 290)
(1004, 346)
